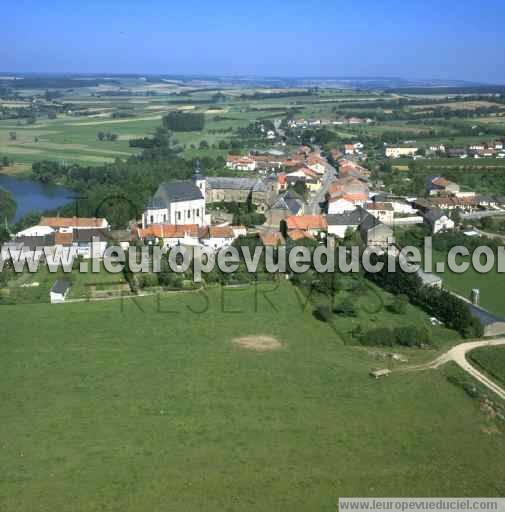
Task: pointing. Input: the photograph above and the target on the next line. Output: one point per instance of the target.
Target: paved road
(313, 207)
(458, 353)
(481, 215)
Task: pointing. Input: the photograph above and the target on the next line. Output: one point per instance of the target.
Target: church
(177, 202)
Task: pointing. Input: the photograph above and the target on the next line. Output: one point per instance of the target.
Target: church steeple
(199, 178)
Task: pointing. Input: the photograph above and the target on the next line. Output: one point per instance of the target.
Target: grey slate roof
(232, 183)
(433, 214)
(174, 191)
(369, 222)
(60, 286)
(289, 201)
(32, 242)
(353, 218)
(87, 235)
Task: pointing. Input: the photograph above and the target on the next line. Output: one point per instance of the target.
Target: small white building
(59, 291)
(437, 220)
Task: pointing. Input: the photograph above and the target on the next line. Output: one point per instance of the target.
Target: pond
(34, 196)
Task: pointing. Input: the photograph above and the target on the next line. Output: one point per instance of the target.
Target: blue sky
(444, 39)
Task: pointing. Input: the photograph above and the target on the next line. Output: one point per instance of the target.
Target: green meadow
(151, 404)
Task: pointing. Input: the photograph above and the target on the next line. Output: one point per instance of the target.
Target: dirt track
(458, 353)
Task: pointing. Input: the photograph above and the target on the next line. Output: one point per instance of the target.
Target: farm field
(491, 360)
(147, 404)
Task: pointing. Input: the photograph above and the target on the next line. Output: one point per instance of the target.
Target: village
(300, 196)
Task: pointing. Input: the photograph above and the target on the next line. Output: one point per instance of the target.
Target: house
(316, 163)
(272, 238)
(382, 211)
(438, 185)
(399, 151)
(340, 224)
(457, 152)
(241, 163)
(177, 202)
(437, 220)
(437, 148)
(59, 291)
(374, 233)
(169, 234)
(289, 203)
(349, 149)
(296, 235)
(349, 188)
(267, 162)
(216, 237)
(348, 168)
(312, 224)
(307, 176)
(239, 190)
(400, 205)
(340, 205)
(71, 223)
(31, 248)
(37, 231)
(90, 243)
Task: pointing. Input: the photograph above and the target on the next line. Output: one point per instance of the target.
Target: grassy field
(490, 284)
(491, 360)
(150, 405)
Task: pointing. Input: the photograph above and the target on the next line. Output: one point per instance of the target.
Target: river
(34, 196)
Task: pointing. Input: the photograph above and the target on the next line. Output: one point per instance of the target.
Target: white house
(340, 205)
(398, 151)
(59, 291)
(35, 231)
(241, 163)
(437, 220)
(382, 211)
(177, 202)
(217, 237)
(170, 234)
(340, 224)
(70, 223)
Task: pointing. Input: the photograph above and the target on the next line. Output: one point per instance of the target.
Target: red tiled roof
(216, 232)
(272, 238)
(298, 234)
(169, 231)
(67, 222)
(63, 238)
(379, 206)
(305, 222)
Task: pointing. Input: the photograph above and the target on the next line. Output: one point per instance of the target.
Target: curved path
(458, 353)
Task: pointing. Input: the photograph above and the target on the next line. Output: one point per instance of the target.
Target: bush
(322, 312)
(345, 308)
(399, 305)
(381, 336)
(408, 336)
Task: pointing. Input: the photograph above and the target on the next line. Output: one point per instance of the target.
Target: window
(178, 215)
(198, 213)
(189, 214)
(152, 219)
(165, 217)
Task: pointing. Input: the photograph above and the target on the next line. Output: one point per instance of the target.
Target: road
(313, 206)
(457, 354)
(481, 215)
